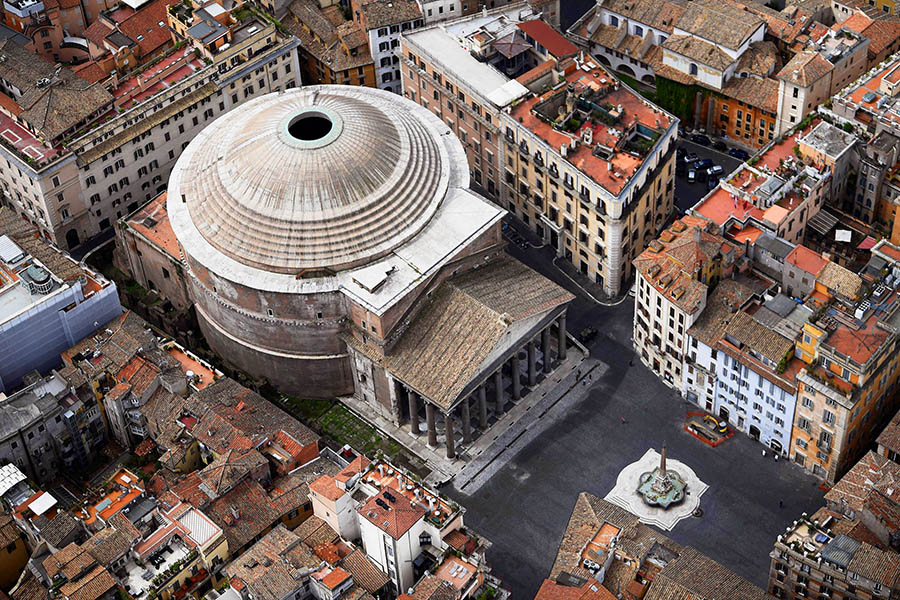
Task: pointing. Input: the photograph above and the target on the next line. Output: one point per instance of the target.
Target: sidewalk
(444, 469)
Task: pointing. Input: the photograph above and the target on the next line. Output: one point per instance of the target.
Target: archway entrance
(72, 238)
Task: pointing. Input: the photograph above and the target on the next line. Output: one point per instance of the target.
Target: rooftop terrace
(607, 129)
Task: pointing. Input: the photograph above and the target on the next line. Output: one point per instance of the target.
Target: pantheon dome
(304, 212)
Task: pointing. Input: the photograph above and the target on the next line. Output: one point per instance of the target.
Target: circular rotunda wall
(277, 197)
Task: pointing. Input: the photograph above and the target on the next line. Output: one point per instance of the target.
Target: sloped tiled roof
(395, 522)
(805, 68)
(758, 337)
(699, 50)
(719, 22)
(364, 572)
(695, 576)
(453, 335)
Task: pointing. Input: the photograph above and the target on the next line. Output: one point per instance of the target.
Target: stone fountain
(661, 487)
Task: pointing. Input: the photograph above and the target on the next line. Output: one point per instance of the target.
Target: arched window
(693, 69)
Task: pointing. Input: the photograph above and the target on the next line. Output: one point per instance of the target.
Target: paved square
(626, 495)
(526, 504)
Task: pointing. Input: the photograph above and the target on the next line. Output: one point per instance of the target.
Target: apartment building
(383, 21)
(457, 70)
(847, 389)
(740, 363)
(846, 549)
(49, 427)
(589, 166)
(605, 552)
(146, 249)
(100, 150)
(823, 68)
(49, 302)
(333, 49)
(674, 276)
(781, 190)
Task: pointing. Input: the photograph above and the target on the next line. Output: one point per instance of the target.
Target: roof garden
(382, 475)
(601, 127)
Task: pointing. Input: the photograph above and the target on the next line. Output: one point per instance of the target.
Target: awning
(867, 244)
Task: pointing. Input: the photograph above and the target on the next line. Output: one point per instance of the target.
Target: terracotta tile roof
(588, 516)
(335, 578)
(464, 322)
(699, 50)
(228, 469)
(70, 562)
(358, 465)
(805, 68)
(144, 28)
(395, 522)
(761, 92)
(97, 31)
(549, 38)
(726, 298)
(807, 260)
(26, 236)
(152, 222)
(320, 38)
(381, 13)
(759, 59)
(30, 588)
(91, 71)
(861, 481)
(109, 544)
(434, 588)
(63, 526)
(315, 531)
(890, 436)
(551, 590)
(874, 564)
(364, 572)
(718, 22)
(325, 486)
(658, 15)
(756, 336)
(671, 263)
(8, 530)
(695, 576)
(54, 109)
(255, 513)
(267, 569)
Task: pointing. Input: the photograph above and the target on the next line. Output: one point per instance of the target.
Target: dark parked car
(738, 153)
(699, 138)
(720, 146)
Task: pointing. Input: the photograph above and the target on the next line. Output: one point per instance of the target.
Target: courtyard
(525, 506)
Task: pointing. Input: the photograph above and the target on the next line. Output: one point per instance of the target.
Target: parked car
(704, 164)
(720, 146)
(699, 138)
(692, 176)
(738, 153)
